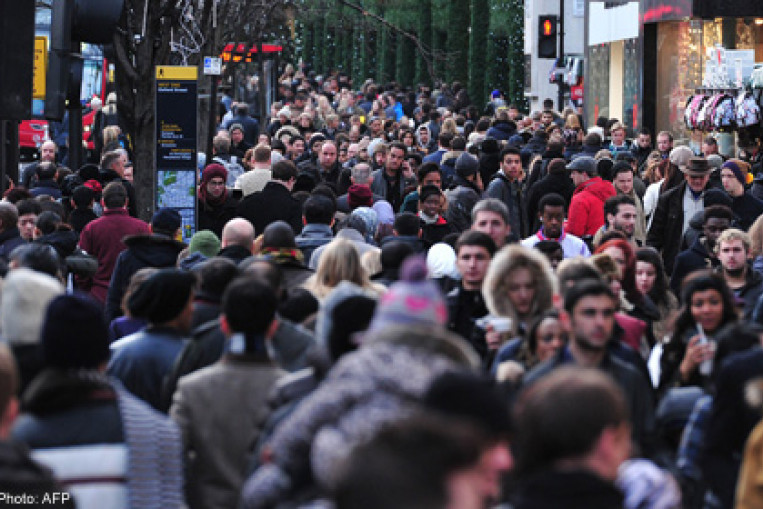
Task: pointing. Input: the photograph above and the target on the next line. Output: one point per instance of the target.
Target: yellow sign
(176, 72)
(40, 67)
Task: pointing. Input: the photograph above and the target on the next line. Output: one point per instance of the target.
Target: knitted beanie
(204, 242)
(413, 300)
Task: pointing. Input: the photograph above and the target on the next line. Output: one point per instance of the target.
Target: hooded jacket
(462, 198)
(494, 285)
(142, 251)
(586, 213)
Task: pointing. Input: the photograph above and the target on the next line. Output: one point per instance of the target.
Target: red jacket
(102, 238)
(586, 214)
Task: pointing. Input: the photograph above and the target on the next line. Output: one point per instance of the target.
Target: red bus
(95, 79)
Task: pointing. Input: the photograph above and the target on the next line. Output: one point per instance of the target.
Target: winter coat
(695, 258)
(461, 200)
(217, 410)
(636, 385)
(571, 489)
(730, 422)
(46, 186)
(75, 260)
(667, 225)
(10, 239)
(586, 214)
(143, 360)
(511, 194)
(501, 131)
(749, 294)
(464, 309)
(214, 217)
(313, 236)
(746, 210)
(142, 251)
(104, 239)
(366, 389)
(379, 186)
(109, 448)
(273, 203)
(559, 183)
(320, 175)
(108, 176)
(431, 234)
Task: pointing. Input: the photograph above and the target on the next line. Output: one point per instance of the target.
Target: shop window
(631, 73)
(597, 83)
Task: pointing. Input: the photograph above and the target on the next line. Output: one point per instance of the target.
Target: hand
(695, 354)
(493, 338)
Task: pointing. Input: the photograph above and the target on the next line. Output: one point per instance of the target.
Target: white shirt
(572, 246)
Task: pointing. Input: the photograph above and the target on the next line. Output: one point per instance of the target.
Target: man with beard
(621, 215)
(733, 250)
(591, 307)
(387, 182)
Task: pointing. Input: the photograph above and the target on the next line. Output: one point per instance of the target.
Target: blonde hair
(339, 262)
(572, 121)
(449, 126)
(733, 234)
(111, 134)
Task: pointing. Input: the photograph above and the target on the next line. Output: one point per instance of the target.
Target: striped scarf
(155, 464)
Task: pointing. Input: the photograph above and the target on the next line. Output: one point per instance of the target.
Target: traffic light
(547, 36)
(74, 22)
(16, 57)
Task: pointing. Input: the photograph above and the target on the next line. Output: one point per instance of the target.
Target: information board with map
(176, 173)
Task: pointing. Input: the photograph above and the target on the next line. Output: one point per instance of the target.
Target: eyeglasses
(217, 183)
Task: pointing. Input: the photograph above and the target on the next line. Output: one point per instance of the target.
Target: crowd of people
(394, 298)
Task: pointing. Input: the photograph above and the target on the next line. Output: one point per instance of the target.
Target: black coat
(273, 203)
(559, 183)
(108, 176)
(667, 225)
(694, 258)
(142, 251)
(569, 489)
(214, 217)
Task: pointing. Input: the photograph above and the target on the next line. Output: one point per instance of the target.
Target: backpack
(747, 110)
(235, 170)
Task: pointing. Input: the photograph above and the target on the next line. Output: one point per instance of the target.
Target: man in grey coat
(218, 408)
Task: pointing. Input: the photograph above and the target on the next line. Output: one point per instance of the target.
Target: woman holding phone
(708, 305)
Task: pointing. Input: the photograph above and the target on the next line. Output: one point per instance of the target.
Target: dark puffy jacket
(461, 200)
(10, 239)
(501, 131)
(142, 251)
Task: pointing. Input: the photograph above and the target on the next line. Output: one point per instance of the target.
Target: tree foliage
(477, 42)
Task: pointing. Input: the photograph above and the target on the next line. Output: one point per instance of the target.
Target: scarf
(283, 254)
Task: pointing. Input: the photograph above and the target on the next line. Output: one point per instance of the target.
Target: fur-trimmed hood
(507, 259)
